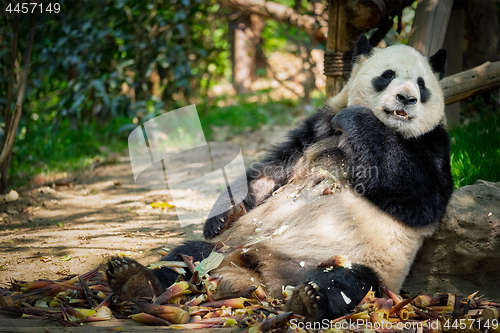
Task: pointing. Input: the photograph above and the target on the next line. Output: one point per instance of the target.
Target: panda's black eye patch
(381, 82)
(388, 74)
(421, 83)
(424, 92)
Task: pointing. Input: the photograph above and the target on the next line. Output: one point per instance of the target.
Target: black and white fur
(385, 157)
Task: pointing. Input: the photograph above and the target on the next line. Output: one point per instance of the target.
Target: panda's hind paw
(129, 279)
(307, 300)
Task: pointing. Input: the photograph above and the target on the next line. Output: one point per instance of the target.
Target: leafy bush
(104, 61)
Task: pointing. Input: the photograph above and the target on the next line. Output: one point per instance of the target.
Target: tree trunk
(245, 37)
(13, 121)
(429, 25)
(482, 32)
(482, 43)
(4, 168)
(241, 55)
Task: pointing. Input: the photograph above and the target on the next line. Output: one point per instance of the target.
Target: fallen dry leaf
(161, 204)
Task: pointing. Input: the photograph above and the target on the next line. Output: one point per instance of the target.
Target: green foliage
(106, 55)
(280, 37)
(104, 60)
(475, 151)
(275, 40)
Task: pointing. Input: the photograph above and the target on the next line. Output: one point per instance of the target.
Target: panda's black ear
(363, 47)
(438, 62)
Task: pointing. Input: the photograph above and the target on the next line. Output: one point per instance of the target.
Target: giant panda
(367, 177)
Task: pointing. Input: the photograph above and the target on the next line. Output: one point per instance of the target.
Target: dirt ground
(72, 225)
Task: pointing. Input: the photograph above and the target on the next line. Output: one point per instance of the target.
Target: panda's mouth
(399, 114)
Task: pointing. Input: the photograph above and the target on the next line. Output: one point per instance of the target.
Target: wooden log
(341, 38)
(467, 83)
(429, 25)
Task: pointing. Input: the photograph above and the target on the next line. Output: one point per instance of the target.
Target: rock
(46, 190)
(11, 211)
(12, 196)
(463, 256)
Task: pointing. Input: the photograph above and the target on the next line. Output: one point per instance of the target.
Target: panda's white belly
(314, 227)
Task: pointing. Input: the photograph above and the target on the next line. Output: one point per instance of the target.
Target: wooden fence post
(429, 25)
(340, 41)
(428, 35)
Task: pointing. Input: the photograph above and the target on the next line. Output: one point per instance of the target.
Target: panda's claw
(216, 225)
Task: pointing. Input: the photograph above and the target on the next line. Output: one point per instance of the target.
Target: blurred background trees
(101, 67)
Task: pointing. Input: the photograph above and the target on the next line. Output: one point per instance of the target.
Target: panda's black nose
(406, 99)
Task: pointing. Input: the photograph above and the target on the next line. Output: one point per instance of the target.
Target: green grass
(43, 151)
(242, 116)
(475, 151)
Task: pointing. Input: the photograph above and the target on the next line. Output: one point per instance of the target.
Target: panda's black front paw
(341, 121)
(215, 225)
(349, 117)
(308, 300)
(129, 279)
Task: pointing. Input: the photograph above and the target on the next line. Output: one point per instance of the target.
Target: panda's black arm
(408, 178)
(273, 172)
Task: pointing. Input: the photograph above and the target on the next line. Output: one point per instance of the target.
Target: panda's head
(400, 85)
